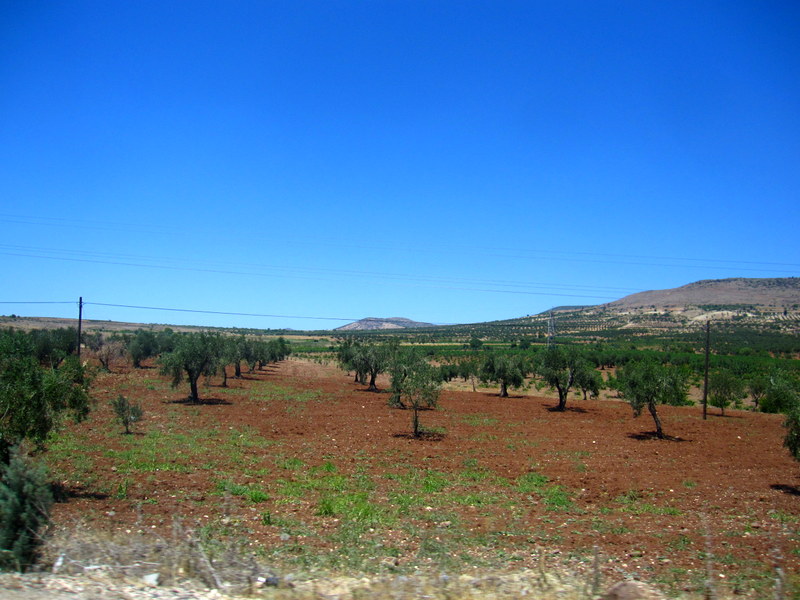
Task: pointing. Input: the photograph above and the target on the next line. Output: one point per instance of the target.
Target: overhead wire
(514, 252)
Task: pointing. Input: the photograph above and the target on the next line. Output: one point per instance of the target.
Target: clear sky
(449, 161)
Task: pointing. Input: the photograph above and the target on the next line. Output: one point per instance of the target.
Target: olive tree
(561, 368)
(415, 383)
(649, 383)
(195, 354)
(367, 360)
(508, 370)
(724, 389)
(143, 345)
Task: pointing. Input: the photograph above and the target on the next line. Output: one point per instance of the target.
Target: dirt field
(316, 474)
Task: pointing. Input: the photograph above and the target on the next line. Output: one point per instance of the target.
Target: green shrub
(127, 412)
(25, 501)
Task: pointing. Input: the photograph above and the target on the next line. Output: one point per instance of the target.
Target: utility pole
(80, 320)
(705, 378)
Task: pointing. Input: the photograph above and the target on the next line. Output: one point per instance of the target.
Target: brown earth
(653, 508)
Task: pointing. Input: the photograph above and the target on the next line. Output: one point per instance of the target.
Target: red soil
(725, 484)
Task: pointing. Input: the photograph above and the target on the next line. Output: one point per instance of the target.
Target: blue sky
(445, 161)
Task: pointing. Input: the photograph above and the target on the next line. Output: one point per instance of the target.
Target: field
(317, 475)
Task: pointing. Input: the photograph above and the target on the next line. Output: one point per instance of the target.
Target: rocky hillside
(739, 291)
(739, 306)
(372, 323)
(763, 304)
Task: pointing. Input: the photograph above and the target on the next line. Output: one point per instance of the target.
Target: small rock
(152, 579)
(631, 590)
(390, 563)
(270, 581)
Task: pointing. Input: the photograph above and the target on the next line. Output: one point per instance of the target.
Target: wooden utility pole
(705, 377)
(80, 320)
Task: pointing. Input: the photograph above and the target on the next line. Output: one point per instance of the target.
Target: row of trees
(644, 383)
(42, 382)
(207, 354)
(415, 383)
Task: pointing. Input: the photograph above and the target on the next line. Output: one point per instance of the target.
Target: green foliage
(51, 346)
(560, 368)
(781, 394)
(589, 381)
(414, 382)
(25, 501)
(143, 345)
(757, 385)
(724, 389)
(34, 399)
(366, 359)
(648, 383)
(127, 412)
(195, 354)
(792, 424)
(507, 369)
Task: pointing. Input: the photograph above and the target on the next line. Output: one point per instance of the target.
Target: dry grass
(190, 561)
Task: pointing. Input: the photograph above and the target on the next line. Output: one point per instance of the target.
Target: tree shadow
(652, 435)
(424, 436)
(725, 416)
(792, 490)
(63, 493)
(200, 402)
(574, 409)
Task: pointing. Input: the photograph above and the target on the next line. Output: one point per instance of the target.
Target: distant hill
(372, 323)
(763, 307)
(738, 291)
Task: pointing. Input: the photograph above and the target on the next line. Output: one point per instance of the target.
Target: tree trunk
(224, 377)
(659, 430)
(194, 397)
(503, 390)
(562, 398)
(372, 386)
(238, 370)
(415, 422)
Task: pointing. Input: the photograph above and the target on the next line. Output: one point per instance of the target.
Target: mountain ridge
(772, 291)
(376, 323)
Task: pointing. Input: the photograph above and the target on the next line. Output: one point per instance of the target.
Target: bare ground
(461, 498)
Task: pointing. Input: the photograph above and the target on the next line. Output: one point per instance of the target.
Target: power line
(37, 302)
(218, 312)
(294, 272)
(500, 252)
(186, 310)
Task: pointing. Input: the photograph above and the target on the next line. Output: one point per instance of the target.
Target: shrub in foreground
(25, 501)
